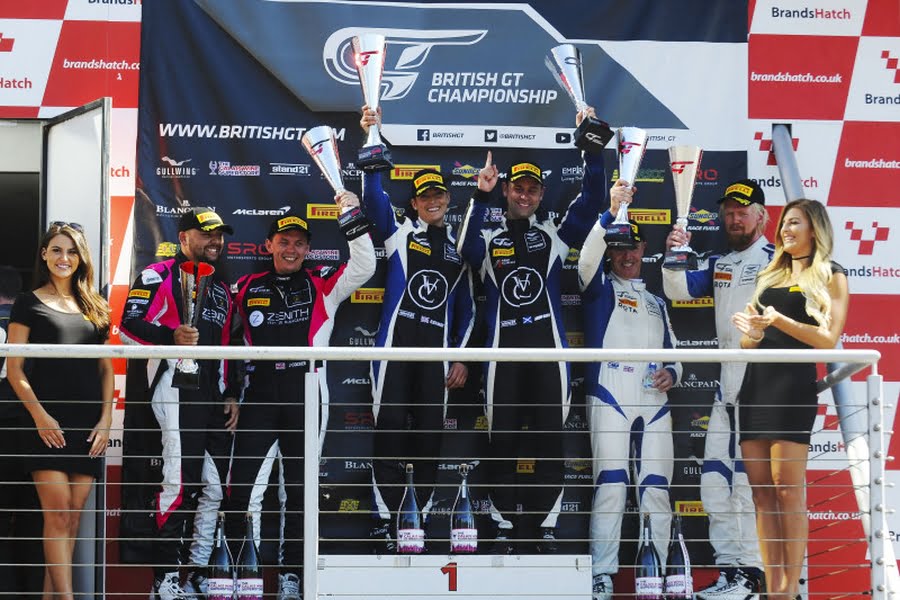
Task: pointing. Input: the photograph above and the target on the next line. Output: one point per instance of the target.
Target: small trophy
(564, 62)
(684, 162)
(321, 145)
(631, 143)
(195, 278)
(369, 55)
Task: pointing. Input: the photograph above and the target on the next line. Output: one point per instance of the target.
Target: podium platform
(444, 577)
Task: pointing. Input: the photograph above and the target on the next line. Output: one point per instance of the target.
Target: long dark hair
(93, 306)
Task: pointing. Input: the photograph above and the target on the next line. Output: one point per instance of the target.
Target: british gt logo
(414, 47)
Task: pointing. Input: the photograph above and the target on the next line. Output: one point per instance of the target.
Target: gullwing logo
(410, 46)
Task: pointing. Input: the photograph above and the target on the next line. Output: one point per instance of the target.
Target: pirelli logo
(651, 216)
(575, 339)
(407, 172)
(525, 167)
(420, 248)
(794, 288)
(705, 302)
(690, 508)
(139, 294)
(368, 296)
(739, 188)
(259, 302)
(525, 466)
(207, 216)
(503, 252)
(322, 211)
(630, 302)
(166, 249)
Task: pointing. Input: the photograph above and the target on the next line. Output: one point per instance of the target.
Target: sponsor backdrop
(228, 88)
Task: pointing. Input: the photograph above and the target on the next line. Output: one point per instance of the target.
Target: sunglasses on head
(76, 226)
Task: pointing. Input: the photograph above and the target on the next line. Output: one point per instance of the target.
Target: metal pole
(311, 487)
(787, 162)
(877, 502)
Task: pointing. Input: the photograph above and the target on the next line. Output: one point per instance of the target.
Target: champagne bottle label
(463, 541)
(250, 589)
(648, 588)
(679, 586)
(220, 589)
(410, 541)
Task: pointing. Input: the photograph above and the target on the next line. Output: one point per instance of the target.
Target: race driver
(520, 262)
(626, 401)
(427, 303)
(724, 489)
(191, 423)
(289, 304)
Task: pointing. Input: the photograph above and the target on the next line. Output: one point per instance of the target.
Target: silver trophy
(321, 145)
(564, 62)
(684, 162)
(631, 143)
(369, 55)
(195, 279)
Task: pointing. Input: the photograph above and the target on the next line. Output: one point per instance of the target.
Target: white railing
(884, 569)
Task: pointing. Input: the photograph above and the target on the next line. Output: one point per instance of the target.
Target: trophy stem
(622, 215)
(374, 137)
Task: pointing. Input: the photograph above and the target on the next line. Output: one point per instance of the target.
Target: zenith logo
(867, 246)
(891, 64)
(765, 145)
(410, 46)
(6, 44)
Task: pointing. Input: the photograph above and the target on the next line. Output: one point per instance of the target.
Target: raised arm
(471, 244)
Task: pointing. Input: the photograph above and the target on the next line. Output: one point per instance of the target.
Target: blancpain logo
(261, 212)
(410, 47)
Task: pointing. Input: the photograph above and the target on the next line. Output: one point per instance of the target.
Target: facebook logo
(423, 135)
(490, 135)
(563, 137)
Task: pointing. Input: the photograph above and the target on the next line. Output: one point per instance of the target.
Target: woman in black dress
(70, 400)
(800, 302)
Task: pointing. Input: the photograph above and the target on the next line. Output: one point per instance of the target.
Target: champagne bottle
(679, 581)
(648, 576)
(221, 572)
(410, 534)
(463, 533)
(249, 571)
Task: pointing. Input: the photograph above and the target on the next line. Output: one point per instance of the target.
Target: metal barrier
(883, 565)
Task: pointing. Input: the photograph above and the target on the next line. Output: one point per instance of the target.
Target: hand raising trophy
(321, 145)
(564, 62)
(631, 143)
(684, 162)
(369, 54)
(195, 278)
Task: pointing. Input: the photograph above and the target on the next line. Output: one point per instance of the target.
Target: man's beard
(740, 240)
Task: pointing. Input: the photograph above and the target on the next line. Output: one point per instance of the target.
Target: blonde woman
(800, 301)
(70, 400)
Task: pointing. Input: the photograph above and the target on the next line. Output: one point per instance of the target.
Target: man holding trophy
(185, 302)
(520, 263)
(625, 399)
(730, 278)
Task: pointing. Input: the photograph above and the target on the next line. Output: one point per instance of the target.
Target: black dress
(69, 389)
(778, 401)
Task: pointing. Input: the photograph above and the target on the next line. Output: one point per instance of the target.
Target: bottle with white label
(410, 534)
(463, 532)
(249, 572)
(221, 573)
(679, 581)
(648, 575)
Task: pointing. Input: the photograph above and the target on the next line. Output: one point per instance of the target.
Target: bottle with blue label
(652, 368)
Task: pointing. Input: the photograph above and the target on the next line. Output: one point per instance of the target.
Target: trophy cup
(631, 143)
(321, 145)
(195, 278)
(564, 62)
(684, 162)
(369, 54)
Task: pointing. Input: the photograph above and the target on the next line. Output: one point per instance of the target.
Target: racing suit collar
(759, 243)
(637, 285)
(519, 224)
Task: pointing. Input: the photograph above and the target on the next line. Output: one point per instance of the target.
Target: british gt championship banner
(228, 87)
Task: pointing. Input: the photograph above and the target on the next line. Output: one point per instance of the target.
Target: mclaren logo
(407, 50)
